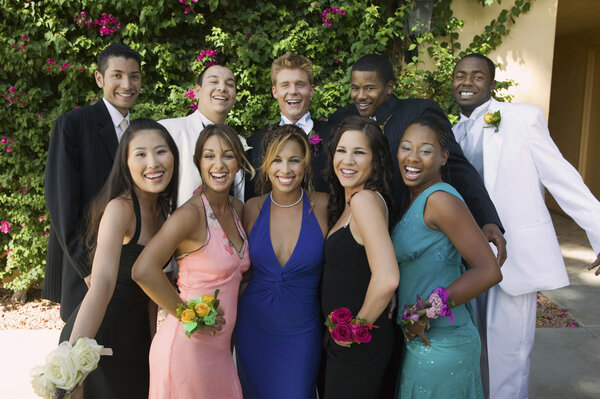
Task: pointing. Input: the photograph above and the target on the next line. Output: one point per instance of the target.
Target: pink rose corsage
(437, 304)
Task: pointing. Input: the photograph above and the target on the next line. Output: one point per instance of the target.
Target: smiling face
(286, 171)
(218, 164)
(472, 84)
(369, 92)
(217, 94)
(150, 161)
(120, 83)
(293, 92)
(420, 158)
(353, 160)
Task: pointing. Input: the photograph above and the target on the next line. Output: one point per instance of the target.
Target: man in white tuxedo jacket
(216, 95)
(517, 159)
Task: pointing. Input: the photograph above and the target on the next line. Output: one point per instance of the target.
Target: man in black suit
(293, 87)
(80, 156)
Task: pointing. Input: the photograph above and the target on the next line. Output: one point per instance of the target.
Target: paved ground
(565, 361)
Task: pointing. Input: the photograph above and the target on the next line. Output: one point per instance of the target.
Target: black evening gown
(125, 329)
(354, 372)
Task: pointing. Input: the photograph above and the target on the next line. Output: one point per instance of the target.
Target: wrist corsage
(492, 119)
(437, 304)
(198, 312)
(66, 367)
(343, 327)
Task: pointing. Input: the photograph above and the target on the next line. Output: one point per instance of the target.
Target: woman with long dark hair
(360, 272)
(139, 194)
(208, 239)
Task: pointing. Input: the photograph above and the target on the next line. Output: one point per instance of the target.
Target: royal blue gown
(278, 335)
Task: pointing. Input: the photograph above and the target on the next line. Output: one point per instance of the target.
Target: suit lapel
(492, 147)
(106, 130)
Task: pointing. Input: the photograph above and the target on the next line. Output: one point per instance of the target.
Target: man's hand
(595, 264)
(494, 235)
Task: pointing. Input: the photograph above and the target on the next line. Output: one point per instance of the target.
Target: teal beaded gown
(427, 259)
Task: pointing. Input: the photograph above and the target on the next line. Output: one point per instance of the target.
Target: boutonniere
(315, 141)
(492, 119)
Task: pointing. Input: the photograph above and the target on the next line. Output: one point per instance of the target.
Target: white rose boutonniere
(492, 119)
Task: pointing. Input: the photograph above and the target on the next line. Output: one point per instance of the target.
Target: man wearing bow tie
(511, 148)
(293, 86)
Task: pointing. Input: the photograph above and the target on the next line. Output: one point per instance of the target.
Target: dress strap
(138, 217)
(384, 203)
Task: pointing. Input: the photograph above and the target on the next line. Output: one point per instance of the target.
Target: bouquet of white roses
(66, 367)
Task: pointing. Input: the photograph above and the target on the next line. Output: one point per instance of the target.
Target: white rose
(85, 355)
(60, 369)
(42, 386)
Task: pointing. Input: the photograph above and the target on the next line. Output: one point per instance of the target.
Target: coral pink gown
(202, 366)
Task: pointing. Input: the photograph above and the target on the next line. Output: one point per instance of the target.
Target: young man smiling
(216, 95)
(293, 87)
(516, 158)
(80, 156)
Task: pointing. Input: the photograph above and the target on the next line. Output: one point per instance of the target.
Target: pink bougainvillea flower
(39, 115)
(12, 89)
(4, 140)
(25, 37)
(190, 94)
(51, 61)
(46, 233)
(187, 10)
(82, 68)
(185, 3)
(9, 149)
(5, 228)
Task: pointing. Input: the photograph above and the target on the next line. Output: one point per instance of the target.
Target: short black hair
(116, 50)
(490, 63)
(377, 63)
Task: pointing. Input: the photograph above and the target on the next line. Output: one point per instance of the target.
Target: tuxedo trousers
(510, 337)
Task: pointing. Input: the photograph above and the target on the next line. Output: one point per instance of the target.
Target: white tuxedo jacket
(520, 159)
(185, 132)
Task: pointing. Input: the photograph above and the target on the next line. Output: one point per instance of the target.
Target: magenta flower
(189, 94)
(5, 227)
(4, 140)
(361, 333)
(9, 149)
(185, 3)
(82, 68)
(108, 24)
(42, 218)
(25, 37)
(342, 333)
(341, 315)
(187, 10)
(38, 115)
(46, 233)
(12, 89)
(51, 61)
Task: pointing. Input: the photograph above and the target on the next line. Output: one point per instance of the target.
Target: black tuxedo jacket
(80, 156)
(399, 114)
(254, 155)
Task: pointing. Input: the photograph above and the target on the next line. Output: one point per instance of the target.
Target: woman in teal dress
(436, 229)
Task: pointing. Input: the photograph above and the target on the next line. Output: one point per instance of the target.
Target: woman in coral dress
(212, 251)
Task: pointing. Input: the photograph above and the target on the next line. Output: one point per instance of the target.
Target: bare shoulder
(366, 200)
(254, 203)
(191, 210)
(119, 208)
(444, 201)
(443, 209)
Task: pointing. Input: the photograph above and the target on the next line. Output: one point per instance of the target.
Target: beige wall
(525, 54)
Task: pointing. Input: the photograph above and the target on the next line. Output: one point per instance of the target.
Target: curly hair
(380, 178)
(271, 145)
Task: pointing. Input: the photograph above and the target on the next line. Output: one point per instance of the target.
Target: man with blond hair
(292, 78)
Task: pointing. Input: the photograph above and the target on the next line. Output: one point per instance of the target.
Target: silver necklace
(287, 206)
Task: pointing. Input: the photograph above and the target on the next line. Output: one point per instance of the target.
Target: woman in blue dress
(436, 229)
(279, 329)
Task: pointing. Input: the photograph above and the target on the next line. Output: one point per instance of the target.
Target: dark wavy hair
(272, 143)
(380, 178)
(120, 183)
(441, 133)
(231, 137)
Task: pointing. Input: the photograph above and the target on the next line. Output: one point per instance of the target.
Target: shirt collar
(114, 113)
(305, 122)
(204, 119)
(477, 112)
